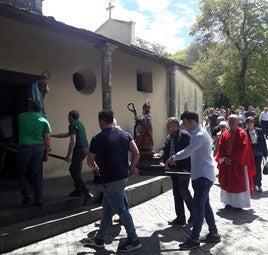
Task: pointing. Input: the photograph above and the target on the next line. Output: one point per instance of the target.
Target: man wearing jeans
(203, 176)
(34, 143)
(108, 157)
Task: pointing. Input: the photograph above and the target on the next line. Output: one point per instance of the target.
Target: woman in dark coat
(259, 148)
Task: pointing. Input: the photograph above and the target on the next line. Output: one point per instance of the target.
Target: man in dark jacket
(177, 140)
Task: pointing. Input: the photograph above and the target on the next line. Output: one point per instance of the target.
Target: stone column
(106, 54)
(171, 70)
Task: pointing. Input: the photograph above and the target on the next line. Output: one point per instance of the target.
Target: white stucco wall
(121, 31)
(188, 93)
(31, 50)
(125, 91)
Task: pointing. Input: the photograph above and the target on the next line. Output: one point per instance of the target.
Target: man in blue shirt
(108, 157)
(203, 177)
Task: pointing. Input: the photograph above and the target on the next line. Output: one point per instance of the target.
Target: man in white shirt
(203, 177)
(263, 119)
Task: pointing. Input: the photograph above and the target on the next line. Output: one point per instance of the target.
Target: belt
(31, 145)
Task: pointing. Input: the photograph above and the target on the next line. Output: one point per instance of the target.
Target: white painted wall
(27, 49)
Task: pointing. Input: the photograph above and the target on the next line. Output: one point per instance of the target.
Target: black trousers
(181, 194)
(79, 154)
(258, 177)
(264, 126)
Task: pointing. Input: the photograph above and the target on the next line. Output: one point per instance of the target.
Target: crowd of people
(239, 148)
(218, 121)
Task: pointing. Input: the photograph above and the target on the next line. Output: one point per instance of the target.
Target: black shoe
(129, 246)
(38, 204)
(237, 209)
(100, 197)
(176, 222)
(190, 244)
(87, 197)
(75, 193)
(93, 242)
(190, 220)
(227, 207)
(210, 238)
(26, 202)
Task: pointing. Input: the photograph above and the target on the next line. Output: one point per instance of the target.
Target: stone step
(44, 224)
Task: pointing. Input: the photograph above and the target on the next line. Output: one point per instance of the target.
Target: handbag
(265, 168)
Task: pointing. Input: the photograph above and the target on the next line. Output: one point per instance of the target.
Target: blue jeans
(202, 208)
(30, 159)
(115, 202)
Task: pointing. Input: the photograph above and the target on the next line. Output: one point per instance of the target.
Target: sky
(166, 22)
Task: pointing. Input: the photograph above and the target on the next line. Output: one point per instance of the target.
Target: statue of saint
(144, 129)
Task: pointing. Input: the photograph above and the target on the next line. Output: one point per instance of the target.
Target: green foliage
(207, 70)
(233, 64)
(179, 56)
(157, 48)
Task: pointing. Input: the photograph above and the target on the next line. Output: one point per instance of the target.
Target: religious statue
(39, 89)
(143, 129)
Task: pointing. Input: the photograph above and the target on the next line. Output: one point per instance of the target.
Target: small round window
(79, 81)
(84, 80)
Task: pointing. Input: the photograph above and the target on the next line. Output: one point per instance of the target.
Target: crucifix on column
(110, 9)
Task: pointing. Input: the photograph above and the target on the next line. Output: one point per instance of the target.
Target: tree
(241, 26)
(207, 69)
(179, 56)
(157, 48)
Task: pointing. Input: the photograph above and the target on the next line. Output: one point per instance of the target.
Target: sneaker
(87, 197)
(75, 193)
(26, 202)
(176, 222)
(237, 209)
(228, 207)
(129, 246)
(211, 238)
(93, 242)
(38, 204)
(260, 189)
(189, 244)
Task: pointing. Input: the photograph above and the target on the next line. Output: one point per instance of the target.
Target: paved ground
(244, 232)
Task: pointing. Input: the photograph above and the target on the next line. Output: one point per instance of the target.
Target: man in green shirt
(34, 145)
(77, 152)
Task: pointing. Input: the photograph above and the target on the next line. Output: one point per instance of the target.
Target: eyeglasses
(249, 121)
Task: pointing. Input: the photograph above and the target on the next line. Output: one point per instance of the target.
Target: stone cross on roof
(110, 9)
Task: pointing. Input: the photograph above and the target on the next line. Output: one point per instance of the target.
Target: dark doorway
(15, 91)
